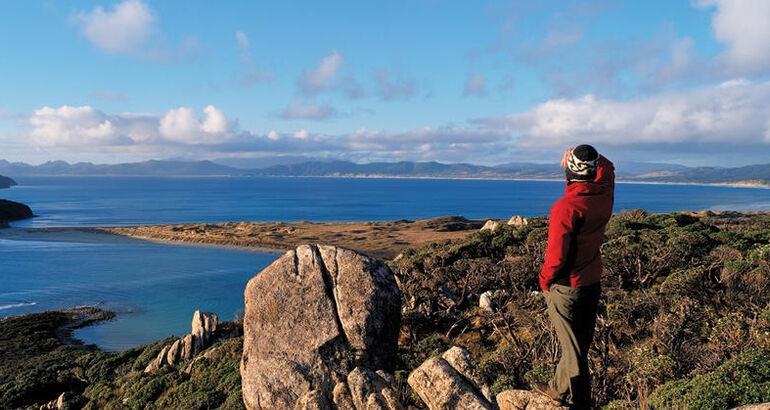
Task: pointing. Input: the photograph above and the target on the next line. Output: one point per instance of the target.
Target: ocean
(155, 288)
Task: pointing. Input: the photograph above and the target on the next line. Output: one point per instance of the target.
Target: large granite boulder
(14, 211)
(204, 325)
(451, 381)
(311, 317)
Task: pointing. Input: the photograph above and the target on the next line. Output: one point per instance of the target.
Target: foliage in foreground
(37, 368)
(684, 309)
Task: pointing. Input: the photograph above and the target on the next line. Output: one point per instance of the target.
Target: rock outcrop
(13, 211)
(451, 381)
(6, 182)
(517, 221)
(57, 404)
(319, 319)
(490, 225)
(526, 400)
(204, 325)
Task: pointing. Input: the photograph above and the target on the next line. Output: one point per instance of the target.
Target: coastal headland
(379, 239)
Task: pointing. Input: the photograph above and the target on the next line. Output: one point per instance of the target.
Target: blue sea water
(155, 288)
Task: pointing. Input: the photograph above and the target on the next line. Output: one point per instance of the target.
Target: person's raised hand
(565, 158)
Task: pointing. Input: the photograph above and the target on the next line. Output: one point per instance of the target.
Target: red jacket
(576, 229)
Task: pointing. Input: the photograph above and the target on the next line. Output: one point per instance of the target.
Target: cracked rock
(311, 317)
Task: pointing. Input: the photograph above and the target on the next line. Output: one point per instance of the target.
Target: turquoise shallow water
(155, 288)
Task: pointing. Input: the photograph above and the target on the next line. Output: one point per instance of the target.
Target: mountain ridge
(758, 174)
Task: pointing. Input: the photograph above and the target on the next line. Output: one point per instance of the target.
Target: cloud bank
(734, 116)
(734, 112)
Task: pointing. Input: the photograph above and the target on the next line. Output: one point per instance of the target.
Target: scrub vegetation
(684, 320)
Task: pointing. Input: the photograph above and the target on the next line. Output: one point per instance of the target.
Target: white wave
(15, 305)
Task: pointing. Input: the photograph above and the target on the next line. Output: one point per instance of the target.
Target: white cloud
(185, 126)
(86, 126)
(242, 40)
(300, 110)
(182, 131)
(734, 112)
(253, 74)
(322, 77)
(216, 122)
(743, 26)
(71, 126)
(389, 88)
(124, 29)
(475, 84)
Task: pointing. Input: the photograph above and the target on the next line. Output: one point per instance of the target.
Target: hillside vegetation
(684, 322)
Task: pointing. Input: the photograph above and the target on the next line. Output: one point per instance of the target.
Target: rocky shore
(13, 211)
(379, 239)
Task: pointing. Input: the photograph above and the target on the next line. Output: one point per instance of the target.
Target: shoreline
(736, 184)
(380, 239)
(172, 242)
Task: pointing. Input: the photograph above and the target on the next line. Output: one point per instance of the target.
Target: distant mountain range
(631, 171)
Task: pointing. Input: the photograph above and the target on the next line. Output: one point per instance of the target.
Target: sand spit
(377, 239)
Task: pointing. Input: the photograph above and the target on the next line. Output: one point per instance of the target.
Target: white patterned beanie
(582, 163)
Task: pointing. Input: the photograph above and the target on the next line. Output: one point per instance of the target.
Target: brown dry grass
(378, 239)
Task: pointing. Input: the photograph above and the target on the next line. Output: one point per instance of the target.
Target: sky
(483, 82)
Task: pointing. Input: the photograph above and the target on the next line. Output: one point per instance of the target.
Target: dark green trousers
(573, 315)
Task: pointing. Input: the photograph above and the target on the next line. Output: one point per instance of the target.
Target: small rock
(369, 390)
(526, 400)
(485, 302)
(442, 387)
(462, 361)
(490, 225)
(760, 406)
(518, 221)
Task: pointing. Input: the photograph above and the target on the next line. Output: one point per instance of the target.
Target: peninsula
(6, 182)
(379, 239)
(13, 211)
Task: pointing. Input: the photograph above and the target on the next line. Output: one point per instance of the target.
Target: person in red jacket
(573, 267)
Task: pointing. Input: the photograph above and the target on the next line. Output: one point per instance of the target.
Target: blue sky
(454, 81)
